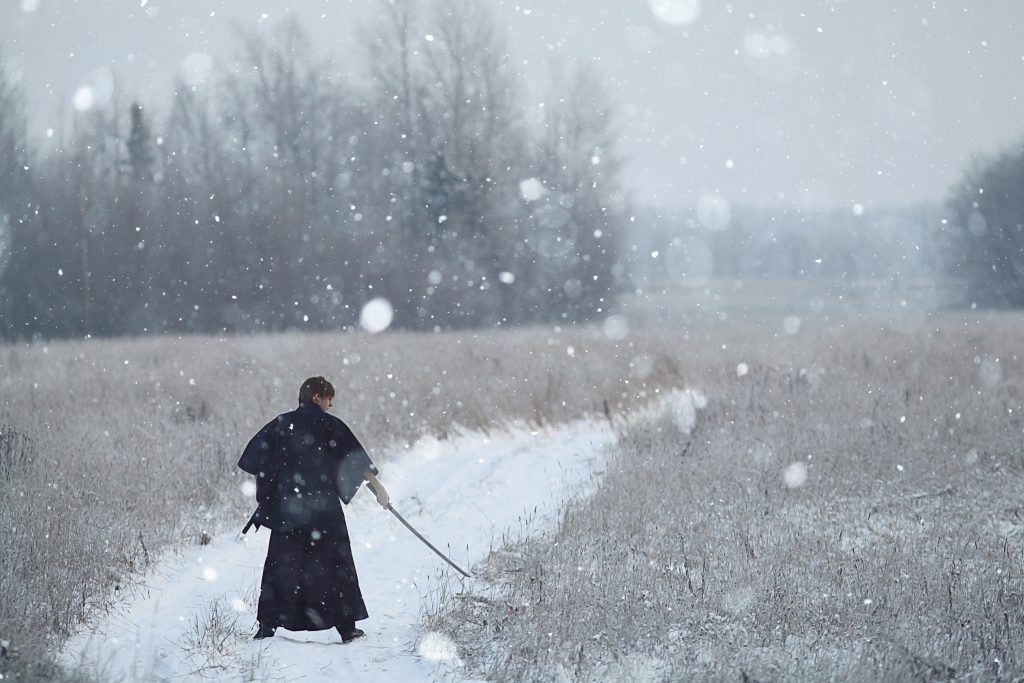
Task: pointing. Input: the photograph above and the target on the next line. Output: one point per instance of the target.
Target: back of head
(315, 386)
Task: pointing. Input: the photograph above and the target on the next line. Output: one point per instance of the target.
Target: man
(304, 461)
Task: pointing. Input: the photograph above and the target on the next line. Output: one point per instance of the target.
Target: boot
(349, 632)
(264, 632)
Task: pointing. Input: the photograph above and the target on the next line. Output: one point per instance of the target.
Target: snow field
(463, 495)
(846, 515)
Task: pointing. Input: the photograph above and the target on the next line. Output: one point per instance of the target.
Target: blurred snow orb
(248, 489)
(197, 68)
(713, 212)
(506, 277)
(531, 189)
(29, 5)
(791, 324)
(690, 260)
(858, 209)
(989, 372)
(971, 457)
(795, 475)
(209, 574)
(616, 327)
(1017, 261)
(554, 229)
(84, 99)
(434, 277)
(771, 54)
(376, 315)
(977, 224)
(684, 410)
(238, 604)
(551, 216)
(95, 90)
(761, 455)
(742, 370)
(675, 12)
(641, 366)
(436, 647)
(765, 45)
(573, 288)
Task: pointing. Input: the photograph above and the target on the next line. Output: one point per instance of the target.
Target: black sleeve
(353, 461)
(256, 454)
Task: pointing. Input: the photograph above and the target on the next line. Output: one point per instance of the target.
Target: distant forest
(280, 194)
(284, 191)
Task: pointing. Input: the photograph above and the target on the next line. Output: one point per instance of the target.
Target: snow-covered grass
(463, 495)
(113, 451)
(848, 508)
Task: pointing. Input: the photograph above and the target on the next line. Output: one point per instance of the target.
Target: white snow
(461, 494)
(795, 475)
(197, 69)
(675, 12)
(616, 327)
(376, 315)
(531, 189)
(714, 211)
(83, 99)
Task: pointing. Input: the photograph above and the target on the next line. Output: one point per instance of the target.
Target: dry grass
(214, 643)
(113, 451)
(900, 558)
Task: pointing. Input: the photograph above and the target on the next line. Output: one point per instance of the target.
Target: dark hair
(315, 386)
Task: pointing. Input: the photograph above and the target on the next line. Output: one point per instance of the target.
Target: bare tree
(18, 222)
(286, 109)
(474, 160)
(280, 196)
(395, 148)
(578, 221)
(986, 245)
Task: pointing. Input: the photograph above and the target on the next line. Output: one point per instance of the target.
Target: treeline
(283, 194)
(983, 238)
(888, 244)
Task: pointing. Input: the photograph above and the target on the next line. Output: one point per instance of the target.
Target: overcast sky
(812, 102)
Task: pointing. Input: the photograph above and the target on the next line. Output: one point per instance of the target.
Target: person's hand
(382, 499)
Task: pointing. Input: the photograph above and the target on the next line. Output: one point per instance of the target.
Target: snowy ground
(461, 494)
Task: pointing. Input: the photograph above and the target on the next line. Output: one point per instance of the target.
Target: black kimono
(304, 461)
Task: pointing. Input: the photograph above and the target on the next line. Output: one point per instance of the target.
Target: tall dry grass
(113, 451)
(899, 557)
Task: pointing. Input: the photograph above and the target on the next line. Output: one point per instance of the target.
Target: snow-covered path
(461, 494)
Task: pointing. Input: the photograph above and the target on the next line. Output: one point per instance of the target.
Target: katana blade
(427, 543)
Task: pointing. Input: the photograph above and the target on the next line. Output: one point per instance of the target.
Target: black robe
(304, 461)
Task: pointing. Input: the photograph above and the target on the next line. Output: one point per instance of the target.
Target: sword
(252, 522)
(420, 536)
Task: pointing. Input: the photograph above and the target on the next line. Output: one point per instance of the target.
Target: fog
(825, 103)
(715, 283)
(260, 166)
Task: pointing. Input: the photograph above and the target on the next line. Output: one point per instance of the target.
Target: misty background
(233, 166)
